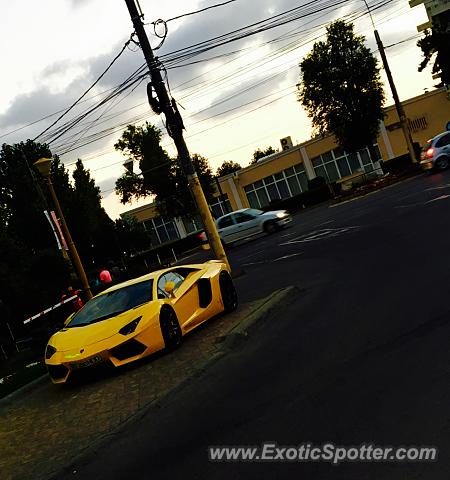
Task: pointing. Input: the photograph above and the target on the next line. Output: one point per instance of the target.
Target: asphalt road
(360, 355)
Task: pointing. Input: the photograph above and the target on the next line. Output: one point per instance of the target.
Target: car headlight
(282, 215)
(130, 327)
(49, 352)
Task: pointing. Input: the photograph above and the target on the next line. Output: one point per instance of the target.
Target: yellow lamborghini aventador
(141, 316)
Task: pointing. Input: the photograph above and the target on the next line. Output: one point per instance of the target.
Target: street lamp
(398, 105)
(44, 166)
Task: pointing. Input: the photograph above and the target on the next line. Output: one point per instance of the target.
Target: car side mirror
(169, 287)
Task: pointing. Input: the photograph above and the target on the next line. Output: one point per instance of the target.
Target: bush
(316, 183)
(397, 164)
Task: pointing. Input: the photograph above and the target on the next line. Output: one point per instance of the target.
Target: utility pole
(175, 129)
(222, 196)
(398, 105)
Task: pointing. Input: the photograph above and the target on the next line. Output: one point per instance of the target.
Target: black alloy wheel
(442, 164)
(228, 292)
(170, 328)
(270, 227)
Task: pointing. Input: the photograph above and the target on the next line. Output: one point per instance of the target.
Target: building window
(161, 230)
(192, 223)
(284, 184)
(336, 163)
(220, 206)
(417, 124)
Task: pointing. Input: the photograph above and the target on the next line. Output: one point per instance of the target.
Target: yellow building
(434, 8)
(286, 174)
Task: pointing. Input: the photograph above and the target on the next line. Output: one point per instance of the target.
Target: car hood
(273, 213)
(77, 337)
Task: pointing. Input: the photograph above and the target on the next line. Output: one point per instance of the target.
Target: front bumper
(284, 221)
(61, 367)
(426, 165)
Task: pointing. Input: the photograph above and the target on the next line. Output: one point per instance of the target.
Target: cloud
(237, 89)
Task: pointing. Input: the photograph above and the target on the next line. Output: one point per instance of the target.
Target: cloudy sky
(235, 98)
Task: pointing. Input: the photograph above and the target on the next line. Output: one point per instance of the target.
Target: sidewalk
(47, 428)
(375, 186)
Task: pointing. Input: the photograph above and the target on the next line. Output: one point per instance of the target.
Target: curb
(242, 329)
(372, 192)
(23, 389)
(232, 338)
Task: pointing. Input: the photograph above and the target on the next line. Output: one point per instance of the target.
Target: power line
(199, 11)
(100, 135)
(87, 91)
(373, 7)
(197, 112)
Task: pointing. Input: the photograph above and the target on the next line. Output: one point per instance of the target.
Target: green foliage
(22, 194)
(94, 232)
(257, 154)
(33, 272)
(228, 167)
(161, 176)
(436, 43)
(341, 89)
(141, 144)
(131, 235)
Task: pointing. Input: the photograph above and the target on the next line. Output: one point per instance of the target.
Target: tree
(161, 176)
(131, 235)
(228, 167)
(257, 154)
(142, 145)
(436, 43)
(23, 194)
(32, 270)
(341, 89)
(94, 232)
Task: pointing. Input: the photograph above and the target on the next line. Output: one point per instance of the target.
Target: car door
(226, 228)
(247, 225)
(185, 303)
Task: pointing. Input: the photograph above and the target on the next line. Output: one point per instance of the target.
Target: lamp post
(398, 105)
(44, 166)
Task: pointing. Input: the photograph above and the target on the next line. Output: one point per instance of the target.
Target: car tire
(442, 164)
(227, 292)
(170, 328)
(270, 227)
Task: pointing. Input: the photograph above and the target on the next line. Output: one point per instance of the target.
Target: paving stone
(48, 427)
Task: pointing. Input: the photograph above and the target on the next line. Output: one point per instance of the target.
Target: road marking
(319, 234)
(252, 255)
(272, 260)
(441, 197)
(289, 234)
(284, 257)
(325, 223)
(440, 187)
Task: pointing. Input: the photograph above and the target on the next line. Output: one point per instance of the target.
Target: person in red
(105, 277)
(76, 303)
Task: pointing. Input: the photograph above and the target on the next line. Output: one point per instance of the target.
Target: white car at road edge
(247, 222)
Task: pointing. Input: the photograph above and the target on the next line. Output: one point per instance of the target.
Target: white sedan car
(247, 222)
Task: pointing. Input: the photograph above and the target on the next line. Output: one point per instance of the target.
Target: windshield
(113, 303)
(254, 211)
